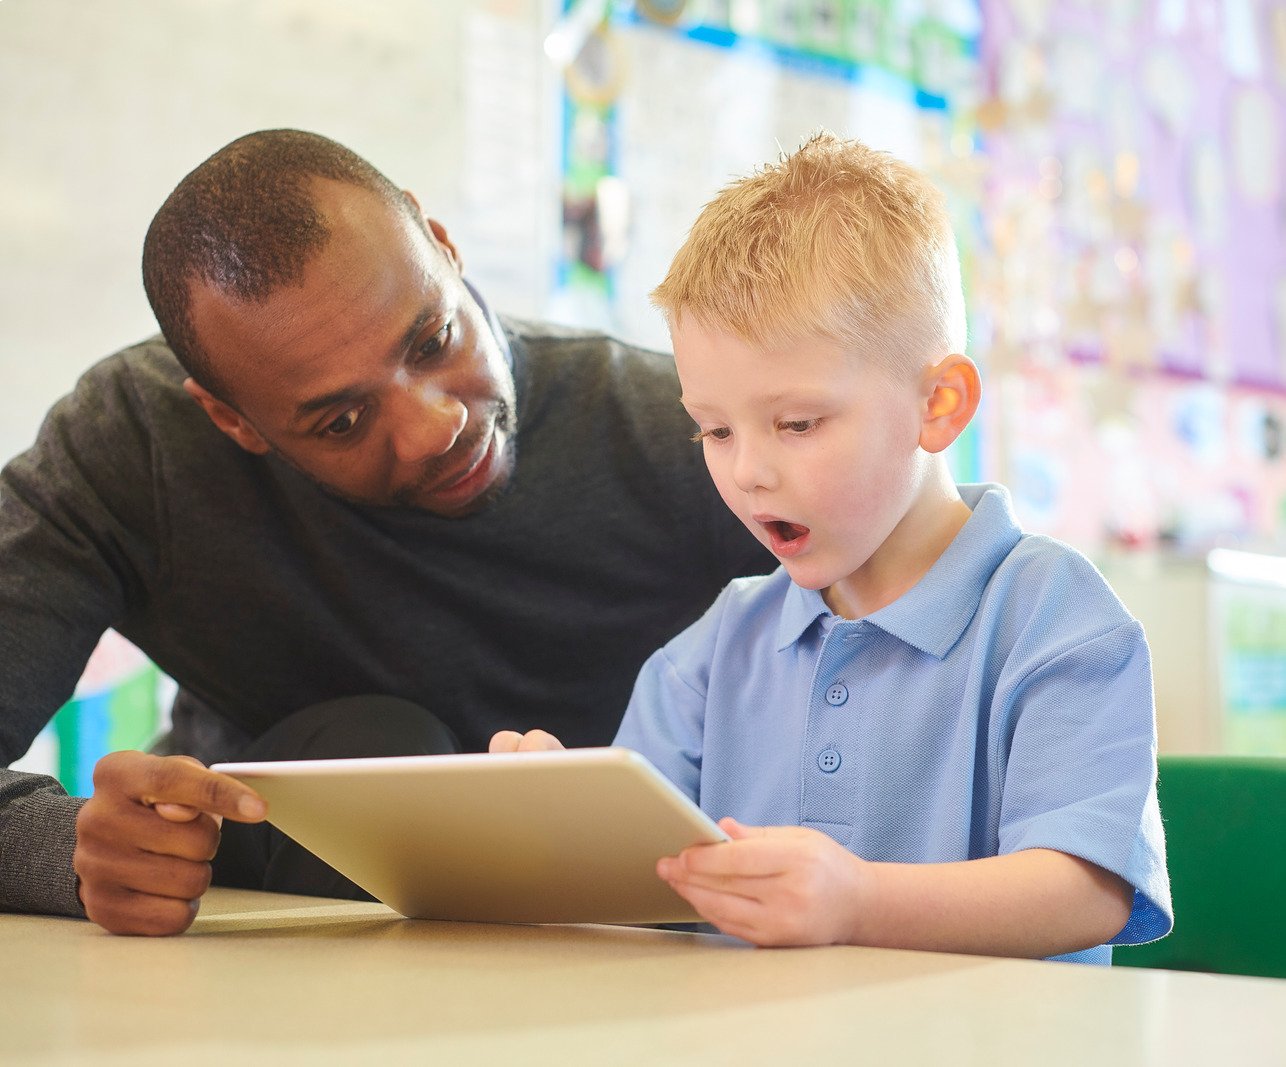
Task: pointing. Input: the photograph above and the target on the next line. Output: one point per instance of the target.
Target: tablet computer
(536, 837)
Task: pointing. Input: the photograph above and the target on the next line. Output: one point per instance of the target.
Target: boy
(926, 729)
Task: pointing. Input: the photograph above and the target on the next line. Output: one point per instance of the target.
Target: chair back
(1225, 829)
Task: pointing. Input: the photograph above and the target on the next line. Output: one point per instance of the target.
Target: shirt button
(837, 694)
(828, 760)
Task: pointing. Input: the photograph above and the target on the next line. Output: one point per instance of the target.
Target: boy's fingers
(539, 741)
(671, 869)
(718, 907)
(739, 831)
(505, 741)
(747, 858)
(531, 741)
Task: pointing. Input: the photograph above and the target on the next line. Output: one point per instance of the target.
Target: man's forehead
(369, 294)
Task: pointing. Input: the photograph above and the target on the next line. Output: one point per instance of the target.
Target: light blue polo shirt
(1002, 703)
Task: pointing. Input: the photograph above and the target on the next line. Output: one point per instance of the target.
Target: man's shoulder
(538, 333)
(131, 401)
(554, 350)
(591, 376)
(146, 373)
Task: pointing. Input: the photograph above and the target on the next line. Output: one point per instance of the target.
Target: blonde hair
(837, 240)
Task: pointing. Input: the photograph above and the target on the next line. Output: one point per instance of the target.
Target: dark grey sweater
(261, 594)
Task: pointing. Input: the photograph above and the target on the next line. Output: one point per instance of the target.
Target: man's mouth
(477, 457)
(459, 489)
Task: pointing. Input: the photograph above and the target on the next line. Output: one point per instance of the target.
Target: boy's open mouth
(787, 531)
(786, 539)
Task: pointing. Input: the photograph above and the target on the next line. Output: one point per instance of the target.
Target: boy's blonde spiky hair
(836, 240)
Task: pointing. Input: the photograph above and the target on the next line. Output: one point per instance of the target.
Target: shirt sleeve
(665, 719)
(1080, 776)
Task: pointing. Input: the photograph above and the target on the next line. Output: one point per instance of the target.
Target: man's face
(378, 375)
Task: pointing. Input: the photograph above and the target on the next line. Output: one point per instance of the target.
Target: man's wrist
(38, 841)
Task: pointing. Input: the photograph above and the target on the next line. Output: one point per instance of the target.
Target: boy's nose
(750, 469)
(426, 424)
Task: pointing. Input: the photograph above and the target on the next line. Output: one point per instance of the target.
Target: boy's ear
(951, 391)
(227, 419)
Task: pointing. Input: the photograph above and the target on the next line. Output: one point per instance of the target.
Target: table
(264, 978)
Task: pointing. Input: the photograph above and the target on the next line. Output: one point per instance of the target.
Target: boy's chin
(807, 577)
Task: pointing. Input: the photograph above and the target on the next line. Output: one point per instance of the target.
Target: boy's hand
(531, 741)
(145, 839)
(772, 885)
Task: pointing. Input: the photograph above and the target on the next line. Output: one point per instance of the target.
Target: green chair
(1225, 831)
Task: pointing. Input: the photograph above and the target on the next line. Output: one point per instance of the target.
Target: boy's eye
(718, 433)
(800, 425)
(344, 424)
(436, 343)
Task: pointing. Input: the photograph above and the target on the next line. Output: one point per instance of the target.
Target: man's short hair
(836, 240)
(245, 221)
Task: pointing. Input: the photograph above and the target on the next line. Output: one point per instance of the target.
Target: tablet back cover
(539, 837)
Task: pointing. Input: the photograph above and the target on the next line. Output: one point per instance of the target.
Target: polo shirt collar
(933, 613)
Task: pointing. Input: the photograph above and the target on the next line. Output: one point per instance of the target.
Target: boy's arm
(795, 886)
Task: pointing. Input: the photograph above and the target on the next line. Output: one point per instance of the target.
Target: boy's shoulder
(747, 610)
(1045, 600)
(1025, 568)
(1043, 569)
(755, 593)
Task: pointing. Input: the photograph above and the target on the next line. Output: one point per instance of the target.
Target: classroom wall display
(1116, 175)
(1133, 288)
(667, 103)
(121, 701)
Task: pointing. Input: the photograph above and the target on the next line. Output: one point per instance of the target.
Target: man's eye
(435, 344)
(345, 424)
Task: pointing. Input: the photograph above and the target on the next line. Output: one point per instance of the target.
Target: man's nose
(426, 424)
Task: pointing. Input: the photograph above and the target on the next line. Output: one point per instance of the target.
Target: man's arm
(77, 542)
(37, 839)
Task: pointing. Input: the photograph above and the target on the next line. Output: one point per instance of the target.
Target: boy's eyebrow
(769, 400)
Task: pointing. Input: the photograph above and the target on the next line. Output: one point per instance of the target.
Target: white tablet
(533, 837)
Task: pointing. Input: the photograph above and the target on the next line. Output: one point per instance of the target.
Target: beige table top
(264, 978)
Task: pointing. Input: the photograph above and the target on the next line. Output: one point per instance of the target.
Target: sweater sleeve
(37, 838)
(78, 548)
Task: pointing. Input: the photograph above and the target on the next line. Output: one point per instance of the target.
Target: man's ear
(227, 419)
(951, 391)
(438, 230)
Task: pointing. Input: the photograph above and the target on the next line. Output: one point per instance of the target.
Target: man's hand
(531, 741)
(772, 885)
(145, 839)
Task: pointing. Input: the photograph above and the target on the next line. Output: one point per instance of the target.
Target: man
(484, 524)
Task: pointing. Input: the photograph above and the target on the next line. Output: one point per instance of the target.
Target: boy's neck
(914, 546)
